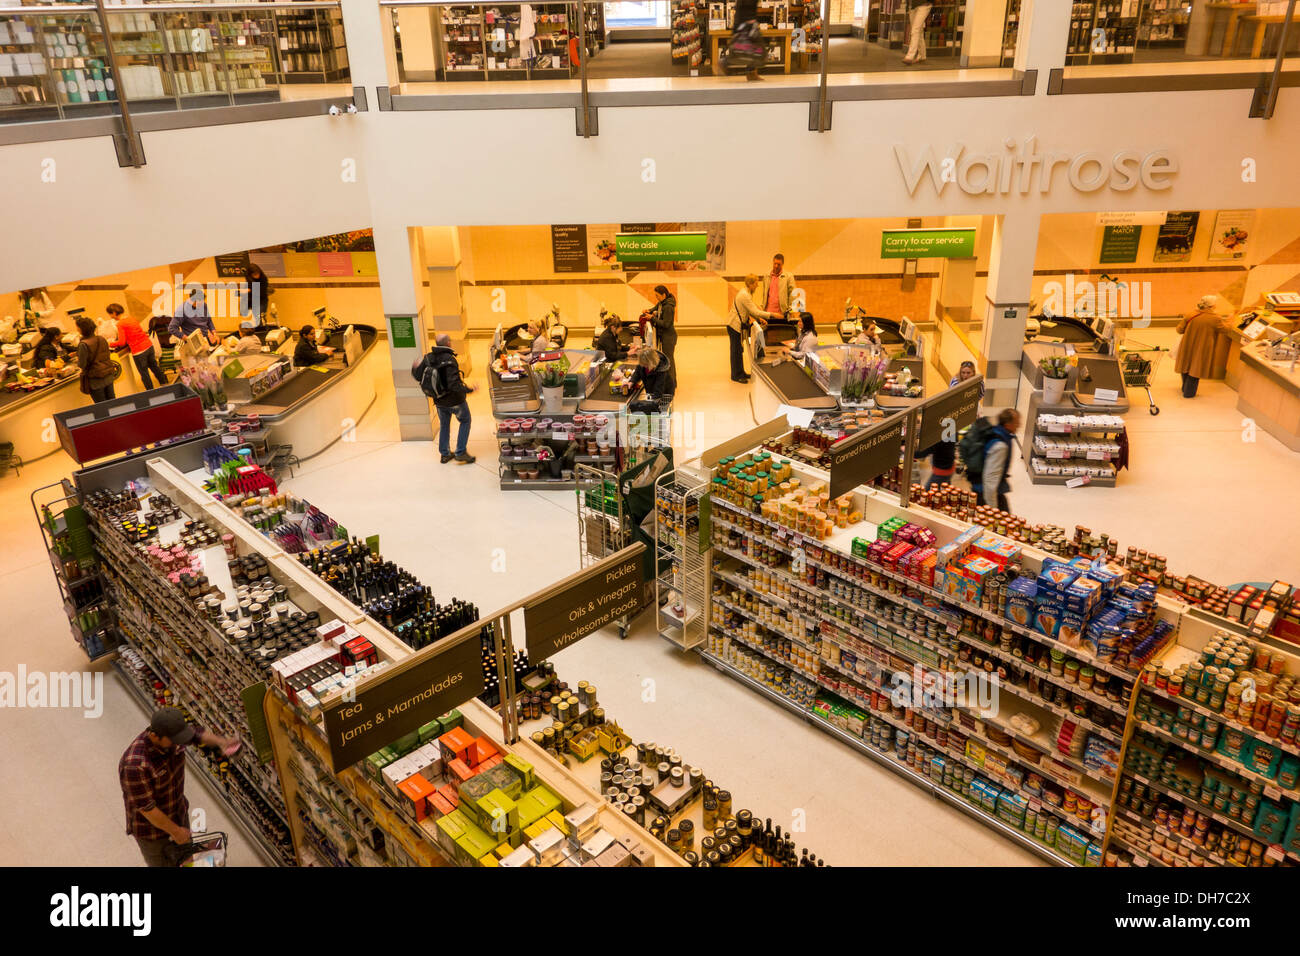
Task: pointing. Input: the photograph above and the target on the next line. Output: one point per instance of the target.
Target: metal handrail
(1270, 102)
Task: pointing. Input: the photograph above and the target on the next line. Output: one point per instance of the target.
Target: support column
(1043, 37)
(982, 32)
(372, 56)
(399, 254)
(1006, 305)
(442, 260)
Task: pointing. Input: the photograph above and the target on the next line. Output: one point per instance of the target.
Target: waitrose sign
(661, 246)
(927, 243)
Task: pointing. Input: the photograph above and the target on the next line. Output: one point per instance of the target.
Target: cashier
(609, 341)
(306, 352)
(870, 335)
(50, 348)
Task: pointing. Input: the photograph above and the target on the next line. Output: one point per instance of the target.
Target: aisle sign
(401, 331)
(403, 700)
(251, 697)
(960, 404)
(662, 246)
(955, 243)
(867, 455)
(569, 248)
(585, 603)
(1120, 243)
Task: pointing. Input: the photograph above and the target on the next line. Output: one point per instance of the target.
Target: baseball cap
(171, 723)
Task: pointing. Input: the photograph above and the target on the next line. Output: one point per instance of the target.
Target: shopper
(192, 316)
(49, 348)
(306, 353)
(248, 342)
(918, 11)
(159, 330)
(807, 336)
(1200, 332)
(965, 372)
(439, 376)
(96, 361)
(992, 485)
(663, 318)
(152, 775)
(747, 316)
(745, 31)
(133, 336)
(258, 293)
(780, 287)
(654, 371)
(609, 341)
(870, 335)
(943, 462)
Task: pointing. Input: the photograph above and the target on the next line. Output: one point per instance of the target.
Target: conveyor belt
(790, 380)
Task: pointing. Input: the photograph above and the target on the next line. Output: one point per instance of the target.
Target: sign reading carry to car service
(958, 243)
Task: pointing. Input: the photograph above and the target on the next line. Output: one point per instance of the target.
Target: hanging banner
(943, 416)
(662, 247)
(569, 248)
(1120, 243)
(867, 455)
(1232, 228)
(956, 243)
(1175, 238)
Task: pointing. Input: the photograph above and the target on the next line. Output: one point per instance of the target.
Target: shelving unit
(483, 43)
(1064, 444)
(24, 78)
(1164, 23)
(69, 544)
(1011, 33)
(312, 46)
(1103, 31)
(943, 27)
(688, 41)
(681, 562)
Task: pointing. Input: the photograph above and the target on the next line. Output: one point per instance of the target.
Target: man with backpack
(439, 376)
(986, 453)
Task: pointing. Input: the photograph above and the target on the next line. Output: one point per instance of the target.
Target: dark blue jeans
(461, 412)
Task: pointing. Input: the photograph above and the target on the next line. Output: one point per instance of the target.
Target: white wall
(220, 189)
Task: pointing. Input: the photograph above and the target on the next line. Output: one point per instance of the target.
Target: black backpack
(432, 382)
(971, 447)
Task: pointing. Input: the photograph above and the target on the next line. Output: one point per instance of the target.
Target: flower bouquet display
(1055, 369)
(863, 375)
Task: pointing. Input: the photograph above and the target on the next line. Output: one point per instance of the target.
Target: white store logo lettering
(1014, 170)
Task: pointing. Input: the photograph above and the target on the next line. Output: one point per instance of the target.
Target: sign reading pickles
(585, 603)
(943, 416)
(957, 243)
(661, 246)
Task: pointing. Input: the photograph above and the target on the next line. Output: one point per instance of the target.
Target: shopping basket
(1139, 364)
(206, 849)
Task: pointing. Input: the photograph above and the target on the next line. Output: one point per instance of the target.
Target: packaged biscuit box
(1022, 595)
(1047, 617)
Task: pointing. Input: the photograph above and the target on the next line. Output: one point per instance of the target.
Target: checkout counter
(303, 407)
(588, 390)
(1267, 378)
(1085, 334)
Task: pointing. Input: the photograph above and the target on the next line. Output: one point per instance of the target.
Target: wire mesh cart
(605, 523)
(1139, 364)
(682, 543)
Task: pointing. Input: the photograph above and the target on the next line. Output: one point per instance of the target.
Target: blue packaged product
(1022, 596)
(1070, 629)
(1047, 617)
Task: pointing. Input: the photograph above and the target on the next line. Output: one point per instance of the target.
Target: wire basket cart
(1139, 364)
(605, 524)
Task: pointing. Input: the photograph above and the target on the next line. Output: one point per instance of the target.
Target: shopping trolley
(205, 849)
(1139, 364)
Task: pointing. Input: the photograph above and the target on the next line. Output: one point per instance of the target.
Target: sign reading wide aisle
(662, 247)
(866, 456)
(585, 603)
(404, 699)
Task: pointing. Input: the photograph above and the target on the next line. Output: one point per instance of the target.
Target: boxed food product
(1022, 596)
(997, 549)
(955, 550)
(1071, 628)
(1291, 839)
(1047, 616)
(1082, 595)
(1054, 579)
(1263, 759)
(1271, 822)
(977, 571)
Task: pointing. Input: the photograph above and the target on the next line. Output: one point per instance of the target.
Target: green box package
(450, 721)
(430, 731)
(506, 780)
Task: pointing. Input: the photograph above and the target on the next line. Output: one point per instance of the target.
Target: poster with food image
(1232, 229)
(715, 234)
(601, 252)
(1175, 238)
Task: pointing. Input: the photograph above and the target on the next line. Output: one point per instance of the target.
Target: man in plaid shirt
(152, 772)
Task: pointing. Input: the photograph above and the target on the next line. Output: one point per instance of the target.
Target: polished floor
(1216, 505)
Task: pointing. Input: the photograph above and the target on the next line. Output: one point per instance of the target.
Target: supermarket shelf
(1216, 715)
(901, 769)
(1220, 760)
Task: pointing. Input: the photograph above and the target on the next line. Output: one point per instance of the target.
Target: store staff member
(609, 341)
(50, 348)
(192, 316)
(306, 353)
(152, 775)
(780, 287)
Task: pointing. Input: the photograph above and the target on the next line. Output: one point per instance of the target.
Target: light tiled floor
(1194, 493)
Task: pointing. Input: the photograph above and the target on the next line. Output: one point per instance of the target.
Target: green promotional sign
(1120, 243)
(401, 331)
(661, 246)
(232, 369)
(956, 243)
